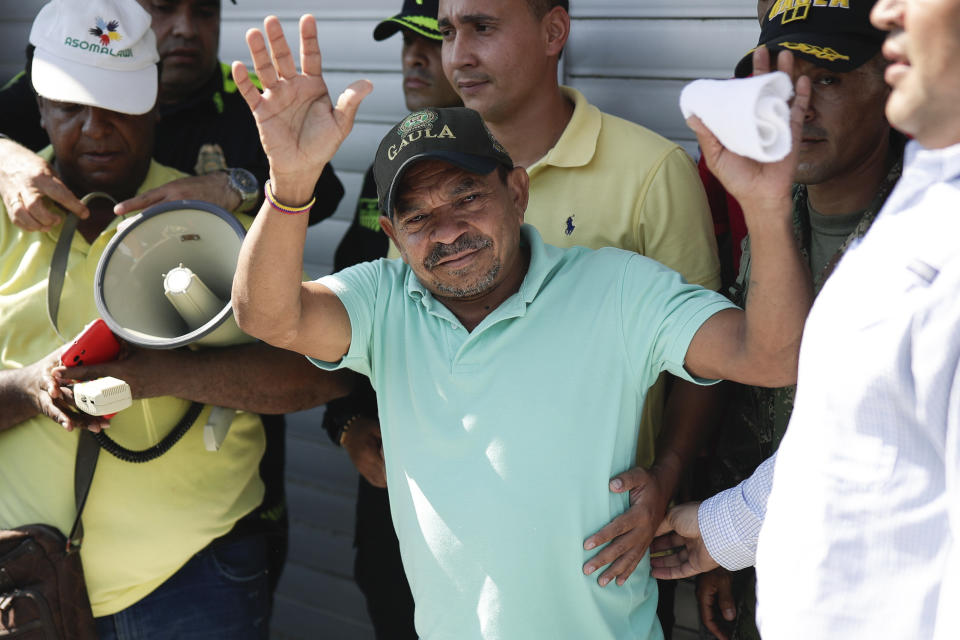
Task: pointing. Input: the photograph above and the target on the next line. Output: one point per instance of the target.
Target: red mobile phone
(95, 344)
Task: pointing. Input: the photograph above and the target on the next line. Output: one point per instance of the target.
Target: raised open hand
(300, 127)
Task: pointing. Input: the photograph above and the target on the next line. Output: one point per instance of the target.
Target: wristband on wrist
(282, 208)
(345, 427)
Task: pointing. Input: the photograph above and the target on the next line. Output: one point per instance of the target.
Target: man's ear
(518, 184)
(556, 29)
(387, 225)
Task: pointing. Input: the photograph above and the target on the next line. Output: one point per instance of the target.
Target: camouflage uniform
(756, 418)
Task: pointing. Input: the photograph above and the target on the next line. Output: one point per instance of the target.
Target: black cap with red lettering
(833, 34)
(456, 135)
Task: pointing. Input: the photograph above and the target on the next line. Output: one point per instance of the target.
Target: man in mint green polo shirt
(510, 374)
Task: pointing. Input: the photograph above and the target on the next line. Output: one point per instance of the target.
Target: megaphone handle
(218, 424)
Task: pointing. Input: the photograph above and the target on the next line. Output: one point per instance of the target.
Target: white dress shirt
(858, 539)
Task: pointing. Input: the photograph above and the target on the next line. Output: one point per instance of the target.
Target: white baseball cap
(101, 53)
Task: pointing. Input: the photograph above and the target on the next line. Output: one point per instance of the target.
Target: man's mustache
(419, 74)
(463, 243)
(173, 44)
(816, 133)
(459, 77)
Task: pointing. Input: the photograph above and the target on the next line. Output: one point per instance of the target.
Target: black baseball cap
(833, 34)
(420, 16)
(456, 135)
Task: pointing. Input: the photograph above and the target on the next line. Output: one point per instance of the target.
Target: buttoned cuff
(730, 521)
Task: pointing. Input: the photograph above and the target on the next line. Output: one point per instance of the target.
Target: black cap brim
(829, 51)
(479, 165)
(422, 25)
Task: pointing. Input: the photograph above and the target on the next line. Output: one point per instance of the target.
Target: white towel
(749, 116)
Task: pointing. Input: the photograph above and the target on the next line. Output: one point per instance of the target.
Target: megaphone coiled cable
(110, 445)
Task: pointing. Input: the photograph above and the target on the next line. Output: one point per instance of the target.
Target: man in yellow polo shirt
(161, 554)
(595, 180)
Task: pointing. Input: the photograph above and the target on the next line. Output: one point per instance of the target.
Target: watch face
(244, 181)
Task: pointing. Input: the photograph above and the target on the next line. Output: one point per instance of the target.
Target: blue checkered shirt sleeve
(730, 521)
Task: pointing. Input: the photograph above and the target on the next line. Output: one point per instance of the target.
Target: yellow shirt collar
(578, 143)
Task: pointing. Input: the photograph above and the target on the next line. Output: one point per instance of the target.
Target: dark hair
(541, 7)
(503, 172)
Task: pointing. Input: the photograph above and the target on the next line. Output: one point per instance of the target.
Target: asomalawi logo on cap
(105, 34)
(106, 30)
(793, 10)
(415, 126)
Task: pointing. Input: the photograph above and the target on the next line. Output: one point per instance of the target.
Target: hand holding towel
(750, 116)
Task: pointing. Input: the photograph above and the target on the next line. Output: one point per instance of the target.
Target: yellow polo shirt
(142, 522)
(612, 183)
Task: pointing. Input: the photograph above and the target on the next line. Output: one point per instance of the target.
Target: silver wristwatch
(246, 186)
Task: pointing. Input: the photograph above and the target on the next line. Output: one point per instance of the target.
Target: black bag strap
(87, 453)
(58, 270)
(58, 263)
(87, 448)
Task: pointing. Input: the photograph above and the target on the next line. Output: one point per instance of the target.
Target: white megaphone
(164, 279)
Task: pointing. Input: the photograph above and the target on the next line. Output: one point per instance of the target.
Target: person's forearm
(689, 417)
(9, 145)
(254, 377)
(360, 401)
(780, 296)
(14, 399)
(267, 284)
